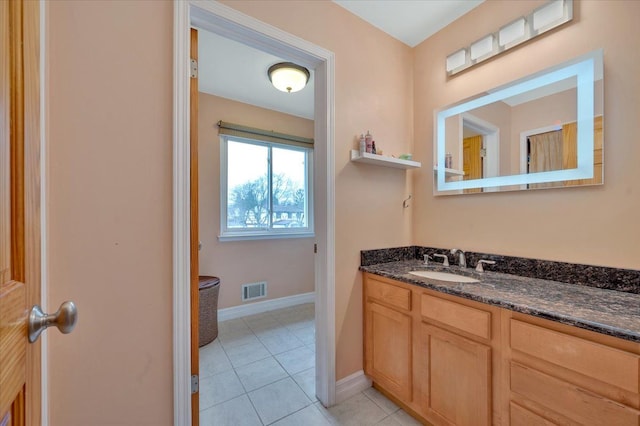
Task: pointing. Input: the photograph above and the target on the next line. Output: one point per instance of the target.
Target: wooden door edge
(194, 239)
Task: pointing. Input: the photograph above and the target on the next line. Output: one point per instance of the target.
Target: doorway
(480, 149)
(225, 21)
(255, 209)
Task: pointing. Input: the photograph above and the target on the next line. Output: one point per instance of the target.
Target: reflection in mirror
(543, 131)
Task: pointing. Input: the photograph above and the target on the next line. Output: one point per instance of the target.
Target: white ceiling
(410, 21)
(233, 70)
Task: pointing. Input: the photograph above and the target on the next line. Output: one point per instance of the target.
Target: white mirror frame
(584, 69)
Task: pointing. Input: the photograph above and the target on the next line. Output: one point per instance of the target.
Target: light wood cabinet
(431, 353)
(456, 375)
(455, 363)
(520, 416)
(452, 361)
(602, 362)
(461, 318)
(566, 376)
(389, 337)
(565, 402)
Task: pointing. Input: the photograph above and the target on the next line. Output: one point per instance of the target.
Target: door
(19, 211)
(472, 160)
(388, 341)
(465, 401)
(570, 145)
(193, 178)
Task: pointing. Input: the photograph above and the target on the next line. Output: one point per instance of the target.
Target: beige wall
(373, 91)
(110, 149)
(110, 174)
(595, 225)
(287, 264)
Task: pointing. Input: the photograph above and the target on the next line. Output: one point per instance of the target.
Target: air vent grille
(254, 291)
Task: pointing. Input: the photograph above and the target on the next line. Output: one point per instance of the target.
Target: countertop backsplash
(625, 280)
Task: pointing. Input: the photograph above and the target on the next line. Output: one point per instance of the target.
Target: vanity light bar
(513, 33)
(539, 21)
(548, 16)
(482, 47)
(456, 60)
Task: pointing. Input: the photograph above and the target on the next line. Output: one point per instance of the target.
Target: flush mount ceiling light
(288, 77)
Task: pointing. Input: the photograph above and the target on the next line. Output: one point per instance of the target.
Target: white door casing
(215, 17)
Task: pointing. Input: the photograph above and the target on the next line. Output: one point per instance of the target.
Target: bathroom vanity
(506, 350)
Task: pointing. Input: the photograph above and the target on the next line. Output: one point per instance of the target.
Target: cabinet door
(388, 349)
(455, 376)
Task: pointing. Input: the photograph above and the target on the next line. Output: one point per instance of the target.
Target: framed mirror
(542, 131)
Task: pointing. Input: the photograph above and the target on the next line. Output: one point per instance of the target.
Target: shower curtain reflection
(545, 154)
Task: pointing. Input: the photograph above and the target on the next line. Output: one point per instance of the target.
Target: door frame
(226, 21)
(490, 141)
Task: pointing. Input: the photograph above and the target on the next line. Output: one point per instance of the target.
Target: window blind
(231, 129)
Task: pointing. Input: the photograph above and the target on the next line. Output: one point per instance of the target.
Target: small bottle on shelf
(448, 161)
(363, 144)
(373, 147)
(368, 141)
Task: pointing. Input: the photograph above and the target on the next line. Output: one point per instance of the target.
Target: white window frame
(235, 234)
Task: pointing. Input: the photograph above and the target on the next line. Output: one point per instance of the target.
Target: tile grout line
(255, 409)
(289, 376)
(281, 326)
(378, 405)
(245, 389)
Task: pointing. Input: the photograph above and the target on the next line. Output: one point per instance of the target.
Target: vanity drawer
(465, 318)
(389, 294)
(520, 416)
(569, 400)
(609, 365)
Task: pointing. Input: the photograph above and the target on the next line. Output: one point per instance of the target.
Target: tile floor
(261, 371)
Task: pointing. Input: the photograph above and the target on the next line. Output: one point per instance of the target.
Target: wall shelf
(381, 160)
(450, 172)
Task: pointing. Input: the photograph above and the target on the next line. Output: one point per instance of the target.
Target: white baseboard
(351, 385)
(264, 306)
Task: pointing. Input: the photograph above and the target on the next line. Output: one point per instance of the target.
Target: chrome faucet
(479, 267)
(462, 260)
(445, 259)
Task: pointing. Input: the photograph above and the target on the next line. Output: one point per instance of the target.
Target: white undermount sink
(444, 276)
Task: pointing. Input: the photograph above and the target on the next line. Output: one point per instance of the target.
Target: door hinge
(315, 248)
(194, 69)
(195, 384)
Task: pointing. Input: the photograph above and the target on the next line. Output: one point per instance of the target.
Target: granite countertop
(610, 312)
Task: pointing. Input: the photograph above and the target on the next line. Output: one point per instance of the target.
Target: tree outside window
(267, 189)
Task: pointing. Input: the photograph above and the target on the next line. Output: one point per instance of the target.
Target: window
(266, 189)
